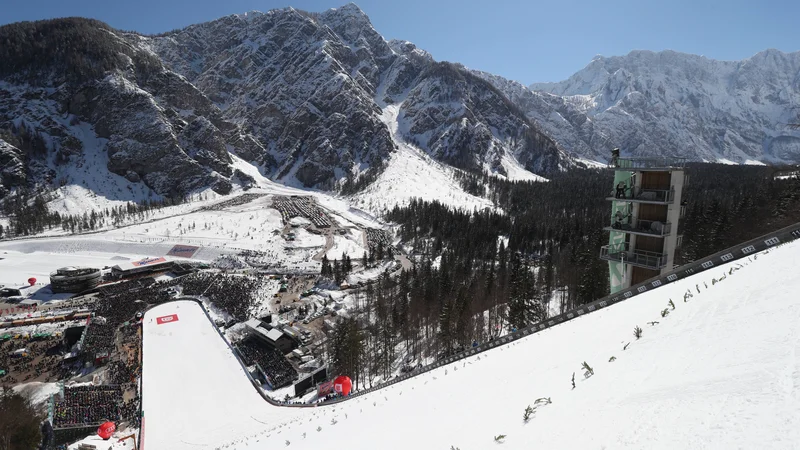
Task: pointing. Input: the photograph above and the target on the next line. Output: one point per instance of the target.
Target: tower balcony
(658, 163)
(639, 195)
(641, 227)
(640, 258)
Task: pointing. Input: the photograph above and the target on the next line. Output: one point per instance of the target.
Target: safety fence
(743, 250)
(781, 236)
(769, 240)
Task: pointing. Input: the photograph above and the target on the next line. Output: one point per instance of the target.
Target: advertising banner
(166, 319)
(149, 261)
(183, 251)
(325, 388)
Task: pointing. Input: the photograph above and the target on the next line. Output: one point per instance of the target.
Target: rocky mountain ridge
(298, 94)
(303, 97)
(653, 103)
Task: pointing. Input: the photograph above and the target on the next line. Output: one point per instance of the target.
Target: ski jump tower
(645, 210)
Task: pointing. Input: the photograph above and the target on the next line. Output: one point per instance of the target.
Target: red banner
(324, 388)
(167, 319)
(148, 261)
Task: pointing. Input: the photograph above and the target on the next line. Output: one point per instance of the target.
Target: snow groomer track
(194, 391)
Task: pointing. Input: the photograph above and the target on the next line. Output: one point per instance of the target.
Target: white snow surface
(719, 371)
(37, 391)
(413, 174)
(351, 243)
(114, 443)
(515, 171)
(195, 393)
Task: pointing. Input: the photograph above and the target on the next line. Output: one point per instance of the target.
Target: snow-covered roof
(142, 263)
(256, 326)
(274, 334)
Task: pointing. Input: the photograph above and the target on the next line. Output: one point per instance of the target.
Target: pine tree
(326, 271)
(337, 272)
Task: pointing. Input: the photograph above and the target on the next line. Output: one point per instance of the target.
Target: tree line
(480, 273)
(28, 214)
(72, 49)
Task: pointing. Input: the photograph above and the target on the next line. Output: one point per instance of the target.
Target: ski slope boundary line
(736, 252)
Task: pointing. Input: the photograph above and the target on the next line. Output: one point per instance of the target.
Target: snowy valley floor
(719, 371)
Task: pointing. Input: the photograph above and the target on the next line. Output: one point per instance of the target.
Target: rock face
(301, 95)
(302, 83)
(306, 97)
(672, 103)
(311, 87)
(465, 121)
(104, 96)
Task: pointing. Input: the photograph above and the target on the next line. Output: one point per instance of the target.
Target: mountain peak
(350, 10)
(652, 102)
(249, 15)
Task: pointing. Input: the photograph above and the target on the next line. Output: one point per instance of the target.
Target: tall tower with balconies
(645, 210)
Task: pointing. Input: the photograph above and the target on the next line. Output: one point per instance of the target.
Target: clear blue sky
(523, 40)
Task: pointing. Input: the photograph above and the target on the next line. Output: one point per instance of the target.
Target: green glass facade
(615, 269)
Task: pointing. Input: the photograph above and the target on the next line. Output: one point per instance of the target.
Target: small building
(643, 225)
(7, 292)
(146, 265)
(75, 279)
(293, 333)
(787, 174)
(270, 336)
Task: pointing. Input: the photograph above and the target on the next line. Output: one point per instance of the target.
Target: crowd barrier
(743, 250)
(764, 242)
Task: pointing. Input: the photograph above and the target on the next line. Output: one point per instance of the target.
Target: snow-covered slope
(719, 371)
(411, 173)
(195, 393)
(650, 103)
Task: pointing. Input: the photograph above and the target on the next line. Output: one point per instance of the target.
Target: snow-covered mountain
(312, 87)
(304, 97)
(300, 95)
(650, 103)
(81, 105)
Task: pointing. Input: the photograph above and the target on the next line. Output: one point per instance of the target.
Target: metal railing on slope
(764, 242)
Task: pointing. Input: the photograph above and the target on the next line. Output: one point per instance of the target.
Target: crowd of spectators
(119, 303)
(235, 294)
(235, 201)
(379, 241)
(98, 338)
(114, 306)
(272, 362)
(87, 405)
(129, 411)
(303, 207)
(126, 367)
(37, 363)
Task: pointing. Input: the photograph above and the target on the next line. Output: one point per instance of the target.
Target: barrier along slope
(743, 250)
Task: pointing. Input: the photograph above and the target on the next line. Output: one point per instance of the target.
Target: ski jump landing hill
(687, 379)
(194, 390)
